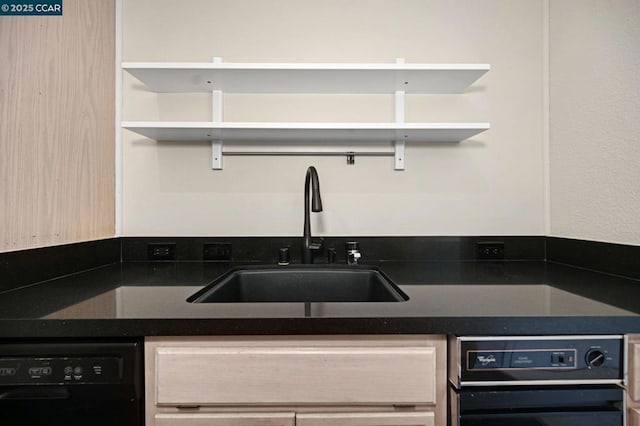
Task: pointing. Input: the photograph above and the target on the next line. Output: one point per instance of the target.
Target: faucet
(311, 184)
(353, 253)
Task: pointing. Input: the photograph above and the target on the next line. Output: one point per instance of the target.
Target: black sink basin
(301, 283)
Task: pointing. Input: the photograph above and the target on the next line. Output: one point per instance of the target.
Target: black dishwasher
(71, 383)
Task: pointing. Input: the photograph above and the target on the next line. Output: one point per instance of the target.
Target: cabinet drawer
(420, 418)
(225, 419)
(313, 372)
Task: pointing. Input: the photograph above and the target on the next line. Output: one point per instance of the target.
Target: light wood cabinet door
(225, 419)
(634, 370)
(633, 418)
(420, 418)
(384, 371)
(391, 380)
(633, 380)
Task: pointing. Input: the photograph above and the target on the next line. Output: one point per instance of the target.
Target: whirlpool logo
(485, 360)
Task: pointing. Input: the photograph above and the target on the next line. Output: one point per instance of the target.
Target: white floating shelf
(305, 77)
(219, 77)
(305, 132)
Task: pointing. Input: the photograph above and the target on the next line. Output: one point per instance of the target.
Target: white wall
(595, 120)
(492, 184)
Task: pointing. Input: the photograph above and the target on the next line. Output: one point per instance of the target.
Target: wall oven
(550, 381)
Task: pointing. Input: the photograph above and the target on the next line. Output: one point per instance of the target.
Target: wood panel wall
(57, 126)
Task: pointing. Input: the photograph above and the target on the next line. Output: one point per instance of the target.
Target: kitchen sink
(301, 283)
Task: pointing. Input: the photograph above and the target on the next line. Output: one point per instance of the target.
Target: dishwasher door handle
(34, 392)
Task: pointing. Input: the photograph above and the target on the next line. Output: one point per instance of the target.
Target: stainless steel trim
(625, 377)
(544, 382)
(625, 361)
(568, 337)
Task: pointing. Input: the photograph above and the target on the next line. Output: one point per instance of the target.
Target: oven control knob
(595, 358)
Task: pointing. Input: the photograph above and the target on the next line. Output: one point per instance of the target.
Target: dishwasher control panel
(60, 370)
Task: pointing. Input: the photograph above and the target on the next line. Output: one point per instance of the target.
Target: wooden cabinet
(299, 419)
(306, 380)
(633, 380)
(633, 417)
(225, 419)
(420, 418)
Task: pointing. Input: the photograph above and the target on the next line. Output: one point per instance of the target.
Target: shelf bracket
(398, 144)
(217, 113)
(398, 148)
(351, 158)
(216, 155)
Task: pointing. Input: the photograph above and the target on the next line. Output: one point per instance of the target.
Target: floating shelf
(217, 78)
(316, 132)
(305, 77)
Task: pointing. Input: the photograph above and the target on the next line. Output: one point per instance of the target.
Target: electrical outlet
(490, 250)
(217, 251)
(161, 251)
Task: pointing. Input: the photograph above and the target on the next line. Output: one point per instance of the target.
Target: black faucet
(311, 184)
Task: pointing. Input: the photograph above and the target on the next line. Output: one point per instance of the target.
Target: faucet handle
(354, 258)
(331, 255)
(283, 256)
(353, 253)
(316, 244)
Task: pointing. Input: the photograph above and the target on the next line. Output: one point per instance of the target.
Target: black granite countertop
(474, 298)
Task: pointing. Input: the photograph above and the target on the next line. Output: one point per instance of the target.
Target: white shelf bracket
(399, 143)
(398, 147)
(217, 112)
(216, 155)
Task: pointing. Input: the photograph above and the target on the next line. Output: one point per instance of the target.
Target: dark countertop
(474, 298)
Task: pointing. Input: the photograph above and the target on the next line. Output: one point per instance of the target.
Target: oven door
(583, 418)
(541, 406)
